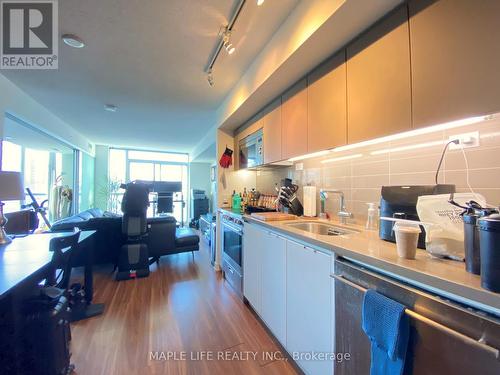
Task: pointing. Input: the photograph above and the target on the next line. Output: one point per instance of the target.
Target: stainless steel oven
(251, 150)
(232, 250)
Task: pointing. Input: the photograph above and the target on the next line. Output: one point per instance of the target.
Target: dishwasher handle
(460, 336)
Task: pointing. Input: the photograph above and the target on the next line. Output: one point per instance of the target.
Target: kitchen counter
(231, 212)
(446, 278)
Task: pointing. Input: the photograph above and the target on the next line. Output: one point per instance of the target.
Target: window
(86, 168)
(12, 157)
(46, 163)
(37, 173)
(11, 161)
(131, 165)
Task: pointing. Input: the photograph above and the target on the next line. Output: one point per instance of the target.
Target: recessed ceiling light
(260, 2)
(73, 41)
(110, 107)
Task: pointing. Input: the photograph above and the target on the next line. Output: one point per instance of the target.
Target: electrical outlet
(299, 166)
(467, 140)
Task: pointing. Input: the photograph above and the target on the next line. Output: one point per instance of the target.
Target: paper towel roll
(309, 201)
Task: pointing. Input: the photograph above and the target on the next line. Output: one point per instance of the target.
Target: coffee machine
(401, 202)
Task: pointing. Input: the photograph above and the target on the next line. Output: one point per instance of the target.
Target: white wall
(16, 102)
(199, 178)
(227, 178)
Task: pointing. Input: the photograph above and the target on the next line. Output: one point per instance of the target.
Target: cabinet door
(455, 59)
(294, 121)
(252, 265)
(309, 306)
(272, 133)
(274, 285)
(378, 80)
(326, 105)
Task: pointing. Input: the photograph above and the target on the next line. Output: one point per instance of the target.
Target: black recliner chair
(133, 260)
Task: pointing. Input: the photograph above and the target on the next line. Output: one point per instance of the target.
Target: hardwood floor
(183, 308)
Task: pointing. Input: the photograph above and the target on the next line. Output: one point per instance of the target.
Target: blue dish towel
(387, 326)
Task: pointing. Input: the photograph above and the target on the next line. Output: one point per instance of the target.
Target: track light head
(229, 48)
(226, 39)
(210, 78)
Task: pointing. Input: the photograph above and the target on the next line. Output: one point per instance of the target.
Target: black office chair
(46, 330)
(65, 249)
(134, 259)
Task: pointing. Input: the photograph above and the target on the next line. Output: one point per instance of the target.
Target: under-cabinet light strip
(355, 156)
(412, 133)
(394, 137)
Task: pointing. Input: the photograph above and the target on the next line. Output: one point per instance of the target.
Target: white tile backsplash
(362, 178)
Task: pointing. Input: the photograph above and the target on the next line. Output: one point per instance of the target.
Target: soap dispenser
(371, 221)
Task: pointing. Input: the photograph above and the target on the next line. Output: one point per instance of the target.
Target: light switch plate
(467, 140)
(299, 166)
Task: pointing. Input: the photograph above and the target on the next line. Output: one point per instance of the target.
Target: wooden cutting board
(272, 216)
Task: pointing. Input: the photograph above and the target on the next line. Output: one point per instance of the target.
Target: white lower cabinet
(253, 246)
(309, 317)
(274, 285)
(289, 286)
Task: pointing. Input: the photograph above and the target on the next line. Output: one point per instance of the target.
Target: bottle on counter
(371, 221)
(244, 197)
(236, 202)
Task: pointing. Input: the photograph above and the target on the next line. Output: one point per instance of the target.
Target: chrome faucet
(343, 214)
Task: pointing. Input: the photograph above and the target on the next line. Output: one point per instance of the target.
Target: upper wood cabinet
(378, 80)
(272, 133)
(326, 105)
(455, 46)
(294, 121)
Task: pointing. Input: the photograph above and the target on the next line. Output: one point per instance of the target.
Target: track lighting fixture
(210, 78)
(224, 40)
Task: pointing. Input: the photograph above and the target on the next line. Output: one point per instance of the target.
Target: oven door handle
(233, 228)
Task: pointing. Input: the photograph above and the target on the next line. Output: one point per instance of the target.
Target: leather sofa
(163, 237)
(108, 238)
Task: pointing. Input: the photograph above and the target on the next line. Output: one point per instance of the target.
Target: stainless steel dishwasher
(445, 337)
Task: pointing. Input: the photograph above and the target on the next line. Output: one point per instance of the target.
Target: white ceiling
(148, 57)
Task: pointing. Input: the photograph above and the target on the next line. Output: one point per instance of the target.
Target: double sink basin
(322, 229)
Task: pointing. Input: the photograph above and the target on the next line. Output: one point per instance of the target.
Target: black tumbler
(471, 242)
(489, 238)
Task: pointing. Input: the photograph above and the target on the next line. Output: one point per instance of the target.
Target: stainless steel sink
(321, 228)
